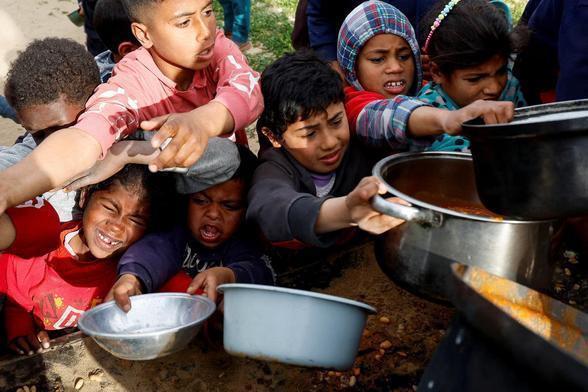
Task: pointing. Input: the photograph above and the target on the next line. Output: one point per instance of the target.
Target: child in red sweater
(52, 273)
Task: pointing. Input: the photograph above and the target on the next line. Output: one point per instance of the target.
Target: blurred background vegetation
(271, 26)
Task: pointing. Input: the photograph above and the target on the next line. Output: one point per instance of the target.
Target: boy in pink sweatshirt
(188, 82)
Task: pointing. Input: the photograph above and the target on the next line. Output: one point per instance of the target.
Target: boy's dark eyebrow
(338, 114)
(184, 14)
(307, 127)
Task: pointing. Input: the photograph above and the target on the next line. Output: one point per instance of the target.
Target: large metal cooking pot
(419, 252)
(535, 166)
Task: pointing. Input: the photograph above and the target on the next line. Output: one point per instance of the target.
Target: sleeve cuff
(302, 217)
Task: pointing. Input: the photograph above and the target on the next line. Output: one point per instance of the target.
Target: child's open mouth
(395, 87)
(205, 54)
(106, 242)
(209, 233)
(331, 158)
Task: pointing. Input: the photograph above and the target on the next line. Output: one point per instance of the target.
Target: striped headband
(442, 15)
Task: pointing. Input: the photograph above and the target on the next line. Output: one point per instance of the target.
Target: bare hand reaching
(361, 211)
(210, 279)
(126, 286)
(492, 112)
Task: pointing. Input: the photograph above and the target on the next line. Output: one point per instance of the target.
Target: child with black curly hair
(48, 85)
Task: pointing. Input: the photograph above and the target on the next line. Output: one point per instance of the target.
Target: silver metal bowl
(157, 324)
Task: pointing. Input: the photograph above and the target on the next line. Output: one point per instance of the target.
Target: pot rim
(476, 129)
(408, 156)
(301, 293)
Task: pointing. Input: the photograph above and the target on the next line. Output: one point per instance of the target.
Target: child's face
(114, 218)
(180, 35)
(42, 120)
(216, 213)
(319, 142)
(485, 81)
(386, 65)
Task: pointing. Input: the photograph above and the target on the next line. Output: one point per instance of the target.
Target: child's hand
(120, 154)
(360, 209)
(493, 112)
(209, 280)
(30, 344)
(126, 286)
(188, 140)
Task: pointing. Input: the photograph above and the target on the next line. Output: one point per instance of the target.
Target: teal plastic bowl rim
(198, 298)
(300, 293)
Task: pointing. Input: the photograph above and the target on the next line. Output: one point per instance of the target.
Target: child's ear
(126, 47)
(271, 137)
(436, 74)
(140, 32)
(83, 198)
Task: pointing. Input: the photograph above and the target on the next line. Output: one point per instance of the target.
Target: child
(313, 183)
(214, 247)
(467, 67)
(237, 15)
(114, 29)
(48, 84)
(379, 55)
(50, 273)
(188, 82)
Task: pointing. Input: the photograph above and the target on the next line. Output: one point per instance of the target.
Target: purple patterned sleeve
(384, 123)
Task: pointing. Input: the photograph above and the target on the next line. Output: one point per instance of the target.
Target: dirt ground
(397, 344)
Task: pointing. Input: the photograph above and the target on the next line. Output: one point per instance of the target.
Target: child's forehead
(318, 114)
(167, 8)
(385, 40)
(230, 189)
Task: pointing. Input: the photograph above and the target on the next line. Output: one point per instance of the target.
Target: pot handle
(407, 213)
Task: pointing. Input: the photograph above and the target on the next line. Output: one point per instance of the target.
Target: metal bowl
(157, 324)
(292, 326)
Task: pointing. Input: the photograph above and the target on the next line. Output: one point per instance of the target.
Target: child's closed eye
(108, 207)
(309, 134)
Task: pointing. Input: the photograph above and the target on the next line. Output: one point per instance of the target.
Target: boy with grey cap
(211, 247)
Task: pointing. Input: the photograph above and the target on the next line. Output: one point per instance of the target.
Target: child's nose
(329, 141)
(213, 211)
(203, 32)
(493, 87)
(393, 66)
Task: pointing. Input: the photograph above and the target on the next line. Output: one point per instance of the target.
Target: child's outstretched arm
(63, 155)
(218, 163)
(355, 210)
(429, 121)
(403, 121)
